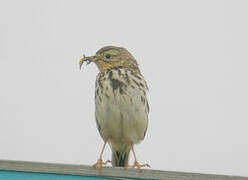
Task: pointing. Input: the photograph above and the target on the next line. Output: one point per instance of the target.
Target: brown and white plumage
(121, 103)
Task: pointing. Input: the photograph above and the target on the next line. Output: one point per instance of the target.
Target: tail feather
(120, 158)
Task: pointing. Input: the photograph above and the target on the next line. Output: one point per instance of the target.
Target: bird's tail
(120, 157)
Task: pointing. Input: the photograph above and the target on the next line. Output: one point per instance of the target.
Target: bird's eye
(107, 56)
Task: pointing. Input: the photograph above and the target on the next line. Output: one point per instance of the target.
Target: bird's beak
(88, 60)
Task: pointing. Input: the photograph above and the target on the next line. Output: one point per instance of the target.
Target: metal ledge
(118, 173)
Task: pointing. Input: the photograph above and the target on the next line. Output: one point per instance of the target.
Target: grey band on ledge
(119, 173)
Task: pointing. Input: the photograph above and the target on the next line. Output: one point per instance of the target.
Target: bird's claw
(100, 163)
(139, 166)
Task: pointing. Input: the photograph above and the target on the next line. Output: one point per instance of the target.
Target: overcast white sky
(193, 54)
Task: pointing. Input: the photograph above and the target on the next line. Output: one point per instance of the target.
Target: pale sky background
(193, 54)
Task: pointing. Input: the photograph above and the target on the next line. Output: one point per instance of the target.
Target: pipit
(121, 106)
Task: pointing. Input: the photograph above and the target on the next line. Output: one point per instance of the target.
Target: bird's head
(110, 57)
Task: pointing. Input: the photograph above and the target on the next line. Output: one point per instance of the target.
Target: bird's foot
(138, 165)
(100, 163)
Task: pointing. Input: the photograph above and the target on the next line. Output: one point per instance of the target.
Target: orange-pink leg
(100, 163)
(136, 164)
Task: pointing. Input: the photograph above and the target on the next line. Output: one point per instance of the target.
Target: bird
(121, 105)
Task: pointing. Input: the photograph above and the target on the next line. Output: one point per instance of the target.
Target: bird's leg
(136, 164)
(100, 163)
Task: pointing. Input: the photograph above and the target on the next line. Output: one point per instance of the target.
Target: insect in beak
(88, 60)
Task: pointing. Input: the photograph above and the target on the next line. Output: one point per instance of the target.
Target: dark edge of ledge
(83, 170)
